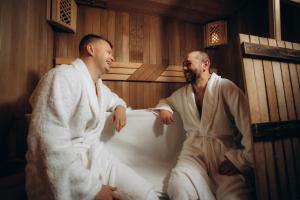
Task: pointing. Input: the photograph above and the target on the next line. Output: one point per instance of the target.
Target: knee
(180, 187)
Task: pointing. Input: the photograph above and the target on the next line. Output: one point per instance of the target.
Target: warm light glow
(215, 33)
(215, 38)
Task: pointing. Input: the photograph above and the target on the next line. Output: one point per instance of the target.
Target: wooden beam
(270, 53)
(274, 19)
(275, 130)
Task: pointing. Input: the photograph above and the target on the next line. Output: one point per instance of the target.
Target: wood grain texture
(137, 38)
(276, 160)
(26, 43)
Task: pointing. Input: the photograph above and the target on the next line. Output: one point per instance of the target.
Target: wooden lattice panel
(62, 14)
(215, 33)
(65, 11)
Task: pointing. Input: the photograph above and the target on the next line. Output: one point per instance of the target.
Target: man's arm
(165, 111)
(117, 105)
(119, 118)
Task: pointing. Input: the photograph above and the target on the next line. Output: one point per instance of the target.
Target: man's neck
(201, 82)
(94, 72)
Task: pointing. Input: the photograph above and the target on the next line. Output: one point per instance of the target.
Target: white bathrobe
(66, 159)
(222, 131)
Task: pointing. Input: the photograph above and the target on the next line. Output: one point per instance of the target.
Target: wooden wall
(252, 19)
(136, 38)
(26, 43)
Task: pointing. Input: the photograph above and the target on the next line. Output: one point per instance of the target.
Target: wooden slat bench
(271, 73)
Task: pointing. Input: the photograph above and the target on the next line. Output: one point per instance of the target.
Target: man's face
(192, 67)
(103, 55)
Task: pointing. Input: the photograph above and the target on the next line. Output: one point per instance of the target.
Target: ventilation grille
(65, 11)
(216, 33)
(62, 14)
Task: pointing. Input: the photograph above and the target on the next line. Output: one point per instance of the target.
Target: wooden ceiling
(198, 11)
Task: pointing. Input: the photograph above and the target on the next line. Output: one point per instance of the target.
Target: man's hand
(228, 169)
(119, 118)
(166, 117)
(106, 193)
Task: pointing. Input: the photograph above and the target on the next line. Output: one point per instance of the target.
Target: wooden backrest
(271, 76)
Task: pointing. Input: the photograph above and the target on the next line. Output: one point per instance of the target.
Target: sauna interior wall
(26, 52)
(136, 38)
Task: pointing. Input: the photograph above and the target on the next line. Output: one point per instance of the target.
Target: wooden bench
(271, 73)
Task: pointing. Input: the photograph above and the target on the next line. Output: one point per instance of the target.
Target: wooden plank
(174, 68)
(279, 86)
(118, 37)
(125, 91)
(182, 41)
(158, 40)
(172, 73)
(121, 71)
(126, 65)
(263, 152)
(261, 90)
(295, 87)
(260, 171)
(62, 60)
(125, 37)
(111, 19)
(280, 159)
(296, 46)
(139, 38)
(104, 22)
(95, 23)
(147, 72)
(148, 95)
(146, 39)
(295, 77)
(288, 91)
(250, 84)
(170, 79)
(153, 44)
(287, 87)
(176, 41)
(140, 95)
(270, 53)
(171, 45)
(115, 77)
(133, 38)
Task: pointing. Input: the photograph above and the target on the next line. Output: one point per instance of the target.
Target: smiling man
(218, 150)
(66, 159)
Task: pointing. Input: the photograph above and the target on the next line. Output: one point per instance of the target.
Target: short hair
(90, 38)
(202, 56)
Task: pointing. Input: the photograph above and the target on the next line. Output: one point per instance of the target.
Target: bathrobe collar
(210, 100)
(90, 86)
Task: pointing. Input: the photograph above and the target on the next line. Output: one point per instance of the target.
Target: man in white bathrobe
(218, 150)
(66, 159)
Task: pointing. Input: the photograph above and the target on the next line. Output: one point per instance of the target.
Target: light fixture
(215, 33)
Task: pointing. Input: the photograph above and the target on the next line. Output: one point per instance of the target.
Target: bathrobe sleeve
(171, 103)
(54, 106)
(112, 99)
(238, 106)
